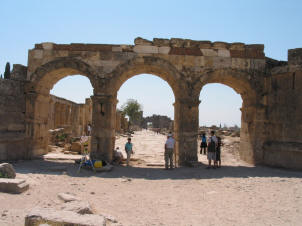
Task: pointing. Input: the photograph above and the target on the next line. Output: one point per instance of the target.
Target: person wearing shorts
(212, 146)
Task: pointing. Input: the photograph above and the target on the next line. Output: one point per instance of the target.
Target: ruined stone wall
(13, 143)
(71, 116)
(283, 146)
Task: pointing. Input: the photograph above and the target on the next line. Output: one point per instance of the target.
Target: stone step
(14, 186)
(40, 216)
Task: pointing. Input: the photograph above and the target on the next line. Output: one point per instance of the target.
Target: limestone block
(177, 42)
(117, 49)
(39, 216)
(220, 45)
(161, 42)
(141, 41)
(240, 63)
(223, 53)
(14, 186)
(208, 61)
(145, 49)
(108, 63)
(205, 44)
(221, 62)
(80, 207)
(67, 197)
(237, 46)
(295, 56)
(47, 45)
(38, 53)
(7, 171)
(209, 52)
(199, 61)
(164, 50)
(257, 64)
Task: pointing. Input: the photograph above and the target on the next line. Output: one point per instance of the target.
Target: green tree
(133, 110)
(7, 71)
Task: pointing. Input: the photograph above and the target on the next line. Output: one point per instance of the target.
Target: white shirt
(214, 138)
(170, 143)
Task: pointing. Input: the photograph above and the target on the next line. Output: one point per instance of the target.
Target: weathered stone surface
(76, 147)
(7, 171)
(80, 207)
(270, 92)
(145, 49)
(67, 197)
(141, 41)
(14, 186)
(295, 56)
(63, 218)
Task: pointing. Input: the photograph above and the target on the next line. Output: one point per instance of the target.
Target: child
(218, 153)
(203, 144)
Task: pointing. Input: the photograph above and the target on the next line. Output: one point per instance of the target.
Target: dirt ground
(236, 194)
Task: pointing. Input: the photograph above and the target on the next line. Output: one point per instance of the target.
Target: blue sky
(274, 23)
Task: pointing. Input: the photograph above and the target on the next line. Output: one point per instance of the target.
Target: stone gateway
(271, 123)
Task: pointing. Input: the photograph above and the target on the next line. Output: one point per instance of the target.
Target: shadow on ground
(71, 169)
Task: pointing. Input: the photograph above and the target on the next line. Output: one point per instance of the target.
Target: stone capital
(104, 99)
(190, 102)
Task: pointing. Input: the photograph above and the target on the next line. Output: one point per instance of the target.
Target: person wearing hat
(128, 149)
(169, 149)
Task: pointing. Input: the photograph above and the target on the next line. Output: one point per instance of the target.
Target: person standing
(203, 144)
(128, 149)
(169, 149)
(218, 152)
(212, 146)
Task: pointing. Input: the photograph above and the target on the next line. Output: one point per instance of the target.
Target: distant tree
(7, 71)
(133, 110)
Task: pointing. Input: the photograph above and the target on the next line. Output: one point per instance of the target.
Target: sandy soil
(236, 194)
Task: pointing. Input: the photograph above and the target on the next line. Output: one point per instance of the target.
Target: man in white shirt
(212, 146)
(169, 149)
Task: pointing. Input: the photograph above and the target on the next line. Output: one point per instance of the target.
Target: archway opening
(69, 114)
(149, 130)
(220, 111)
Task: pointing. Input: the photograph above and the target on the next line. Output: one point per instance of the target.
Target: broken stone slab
(80, 207)
(7, 171)
(40, 216)
(14, 186)
(67, 197)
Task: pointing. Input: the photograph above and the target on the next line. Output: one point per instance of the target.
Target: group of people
(169, 150)
(211, 147)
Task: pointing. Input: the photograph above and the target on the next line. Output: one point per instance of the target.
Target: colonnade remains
(271, 123)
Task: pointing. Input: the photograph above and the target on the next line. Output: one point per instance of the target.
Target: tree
(7, 71)
(133, 110)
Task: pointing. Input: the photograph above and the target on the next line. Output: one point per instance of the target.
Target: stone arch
(241, 81)
(247, 85)
(147, 65)
(37, 98)
(48, 74)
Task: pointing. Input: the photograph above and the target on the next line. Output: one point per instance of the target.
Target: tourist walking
(129, 150)
(203, 144)
(169, 149)
(218, 152)
(212, 146)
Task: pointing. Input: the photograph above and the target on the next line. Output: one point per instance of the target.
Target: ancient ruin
(271, 93)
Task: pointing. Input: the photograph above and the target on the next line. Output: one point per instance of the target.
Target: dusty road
(236, 194)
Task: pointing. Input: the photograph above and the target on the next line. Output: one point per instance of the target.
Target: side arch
(46, 75)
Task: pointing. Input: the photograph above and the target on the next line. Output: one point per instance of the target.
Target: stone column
(37, 109)
(186, 130)
(103, 126)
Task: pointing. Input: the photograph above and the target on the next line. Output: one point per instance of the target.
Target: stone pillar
(103, 126)
(186, 130)
(37, 108)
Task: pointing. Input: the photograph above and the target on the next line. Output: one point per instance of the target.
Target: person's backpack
(212, 146)
(203, 139)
